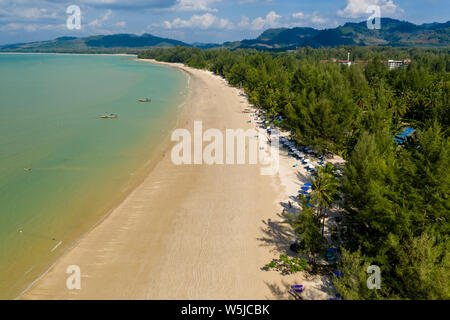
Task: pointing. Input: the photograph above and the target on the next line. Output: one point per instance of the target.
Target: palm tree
(325, 189)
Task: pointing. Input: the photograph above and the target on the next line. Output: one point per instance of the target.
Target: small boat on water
(26, 169)
(111, 116)
(145, 100)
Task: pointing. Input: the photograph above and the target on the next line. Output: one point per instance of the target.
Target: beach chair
(330, 257)
(338, 273)
(297, 288)
(296, 291)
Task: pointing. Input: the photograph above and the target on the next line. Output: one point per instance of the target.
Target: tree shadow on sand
(282, 292)
(277, 234)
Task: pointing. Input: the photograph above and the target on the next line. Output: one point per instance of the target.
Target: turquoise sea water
(50, 108)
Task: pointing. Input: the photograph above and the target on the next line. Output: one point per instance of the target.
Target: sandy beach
(191, 231)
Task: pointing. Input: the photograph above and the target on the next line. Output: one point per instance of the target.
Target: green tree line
(394, 198)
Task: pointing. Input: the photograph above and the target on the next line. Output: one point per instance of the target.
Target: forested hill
(393, 33)
(108, 43)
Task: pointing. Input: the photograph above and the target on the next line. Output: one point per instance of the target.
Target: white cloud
(205, 21)
(195, 5)
(255, 1)
(101, 21)
(121, 24)
(33, 14)
(358, 8)
(270, 21)
(30, 27)
(315, 18)
(107, 15)
(298, 15)
(245, 22)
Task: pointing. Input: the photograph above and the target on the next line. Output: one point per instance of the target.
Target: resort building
(394, 64)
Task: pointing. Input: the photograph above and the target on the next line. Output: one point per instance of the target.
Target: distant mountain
(100, 43)
(205, 45)
(392, 33)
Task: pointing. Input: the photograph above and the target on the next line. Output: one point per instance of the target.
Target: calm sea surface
(62, 168)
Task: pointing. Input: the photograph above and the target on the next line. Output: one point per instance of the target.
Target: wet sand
(189, 231)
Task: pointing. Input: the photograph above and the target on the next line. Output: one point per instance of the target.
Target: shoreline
(139, 175)
(208, 237)
(81, 54)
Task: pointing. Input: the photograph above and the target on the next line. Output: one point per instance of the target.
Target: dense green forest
(394, 198)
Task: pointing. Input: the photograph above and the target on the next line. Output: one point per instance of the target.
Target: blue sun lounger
(337, 297)
(338, 273)
(330, 257)
(297, 288)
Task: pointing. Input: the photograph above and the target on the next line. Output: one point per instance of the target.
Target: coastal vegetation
(393, 197)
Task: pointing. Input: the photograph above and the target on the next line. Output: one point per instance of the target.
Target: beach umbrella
(307, 184)
(306, 160)
(309, 205)
(305, 188)
(304, 192)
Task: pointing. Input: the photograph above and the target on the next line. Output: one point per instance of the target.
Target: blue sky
(198, 20)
